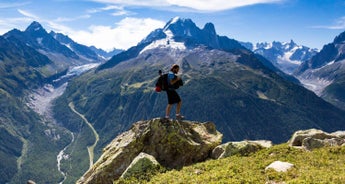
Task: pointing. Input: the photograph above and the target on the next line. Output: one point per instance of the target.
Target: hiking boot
(179, 117)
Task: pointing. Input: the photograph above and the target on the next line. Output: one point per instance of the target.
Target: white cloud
(217, 5)
(126, 33)
(11, 5)
(28, 14)
(201, 5)
(122, 35)
(119, 10)
(338, 24)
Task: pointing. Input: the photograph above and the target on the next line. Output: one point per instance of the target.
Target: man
(173, 97)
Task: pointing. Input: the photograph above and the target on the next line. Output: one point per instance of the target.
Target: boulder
(313, 138)
(242, 148)
(298, 137)
(280, 166)
(30, 182)
(174, 144)
(310, 143)
(141, 164)
(340, 134)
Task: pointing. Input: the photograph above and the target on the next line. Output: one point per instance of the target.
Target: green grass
(325, 165)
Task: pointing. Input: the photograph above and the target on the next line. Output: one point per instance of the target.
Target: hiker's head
(175, 68)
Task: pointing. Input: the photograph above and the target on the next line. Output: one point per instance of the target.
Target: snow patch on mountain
(174, 20)
(287, 56)
(167, 42)
(39, 41)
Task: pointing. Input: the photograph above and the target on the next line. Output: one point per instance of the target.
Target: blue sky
(109, 24)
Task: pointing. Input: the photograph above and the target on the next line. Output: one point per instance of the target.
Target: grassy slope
(325, 165)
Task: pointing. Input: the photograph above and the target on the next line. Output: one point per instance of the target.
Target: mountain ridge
(287, 56)
(233, 88)
(165, 37)
(324, 73)
(224, 83)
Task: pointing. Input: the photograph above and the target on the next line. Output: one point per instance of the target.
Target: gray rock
(141, 164)
(174, 144)
(313, 138)
(280, 166)
(299, 136)
(242, 148)
(340, 134)
(310, 143)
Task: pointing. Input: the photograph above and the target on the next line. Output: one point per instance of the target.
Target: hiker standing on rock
(174, 82)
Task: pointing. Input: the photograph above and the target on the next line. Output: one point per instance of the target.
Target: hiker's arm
(173, 81)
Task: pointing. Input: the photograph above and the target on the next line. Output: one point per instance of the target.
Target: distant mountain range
(321, 72)
(238, 86)
(287, 56)
(225, 83)
(29, 60)
(58, 47)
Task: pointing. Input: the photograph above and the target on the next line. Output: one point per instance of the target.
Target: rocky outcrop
(141, 164)
(313, 138)
(243, 148)
(173, 144)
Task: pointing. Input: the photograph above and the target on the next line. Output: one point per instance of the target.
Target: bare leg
(167, 110)
(178, 107)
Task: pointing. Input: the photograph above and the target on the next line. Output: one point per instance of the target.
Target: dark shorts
(173, 97)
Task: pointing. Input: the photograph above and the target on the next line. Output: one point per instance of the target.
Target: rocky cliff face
(173, 144)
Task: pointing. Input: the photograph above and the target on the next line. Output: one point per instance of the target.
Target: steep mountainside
(81, 50)
(287, 56)
(24, 136)
(34, 69)
(325, 72)
(223, 83)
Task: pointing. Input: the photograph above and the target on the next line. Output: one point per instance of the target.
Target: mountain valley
(63, 102)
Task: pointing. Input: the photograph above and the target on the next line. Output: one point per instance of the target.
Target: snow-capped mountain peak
(177, 34)
(35, 27)
(287, 56)
(172, 35)
(167, 42)
(181, 33)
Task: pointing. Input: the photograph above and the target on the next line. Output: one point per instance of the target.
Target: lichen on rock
(173, 144)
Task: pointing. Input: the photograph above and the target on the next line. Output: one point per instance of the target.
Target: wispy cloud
(338, 24)
(28, 14)
(122, 35)
(190, 5)
(218, 5)
(117, 10)
(13, 4)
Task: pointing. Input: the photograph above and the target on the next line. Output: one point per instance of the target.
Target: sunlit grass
(325, 165)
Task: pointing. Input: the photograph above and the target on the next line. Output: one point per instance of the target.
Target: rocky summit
(172, 143)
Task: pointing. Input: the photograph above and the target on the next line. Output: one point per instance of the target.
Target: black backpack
(162, 82)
